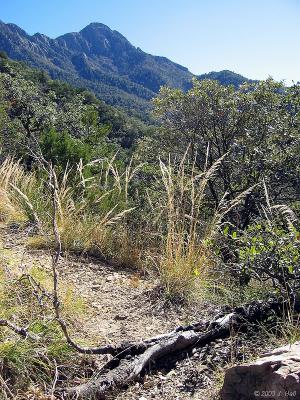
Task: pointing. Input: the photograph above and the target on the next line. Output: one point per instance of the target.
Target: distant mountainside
(102, 60)
(225, 77)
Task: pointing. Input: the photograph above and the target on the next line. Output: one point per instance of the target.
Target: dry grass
(91, 211)
(26, 301)
(93, 216)
(12, 176)
(284, 329)
(187, 257)
(95, 221)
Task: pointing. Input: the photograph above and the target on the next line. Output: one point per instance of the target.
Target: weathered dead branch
(19, 330)
(183, 339)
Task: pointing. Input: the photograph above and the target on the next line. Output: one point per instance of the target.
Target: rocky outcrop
(274, 376)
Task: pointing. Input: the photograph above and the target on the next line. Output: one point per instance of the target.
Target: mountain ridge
(100, 59)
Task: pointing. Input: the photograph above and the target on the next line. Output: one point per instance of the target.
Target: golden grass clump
(187, 258)
(92, 208)
(12, 176)
(95, 221)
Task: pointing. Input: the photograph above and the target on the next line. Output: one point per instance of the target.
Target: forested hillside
(38, 104)
(114, 230)
(104, 61)
(97, 58)
(225, 78)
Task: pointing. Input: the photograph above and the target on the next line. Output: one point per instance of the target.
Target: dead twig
(22, 331)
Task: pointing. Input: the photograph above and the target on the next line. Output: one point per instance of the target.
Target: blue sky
(256, 38)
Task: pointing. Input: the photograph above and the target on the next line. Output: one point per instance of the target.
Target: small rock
(171, 373)
(201, 368)
(120, 317)
(96, 287)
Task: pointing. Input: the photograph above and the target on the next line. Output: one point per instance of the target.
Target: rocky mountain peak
(100, 59)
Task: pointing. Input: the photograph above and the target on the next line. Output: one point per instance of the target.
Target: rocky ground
(122, 305)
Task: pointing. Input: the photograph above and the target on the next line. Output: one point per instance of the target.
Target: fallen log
(135, 359)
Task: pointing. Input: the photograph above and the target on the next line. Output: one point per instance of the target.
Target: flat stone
(96, 287)
(274, 376)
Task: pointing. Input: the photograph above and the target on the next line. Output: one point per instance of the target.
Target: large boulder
(274, 376)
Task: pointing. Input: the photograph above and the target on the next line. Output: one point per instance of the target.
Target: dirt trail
(122, 306)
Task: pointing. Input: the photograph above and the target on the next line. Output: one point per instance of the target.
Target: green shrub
(271, 252)
(63, 149)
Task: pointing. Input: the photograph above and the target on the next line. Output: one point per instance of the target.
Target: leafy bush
(62, 149)
(256, 126)
(270, 251)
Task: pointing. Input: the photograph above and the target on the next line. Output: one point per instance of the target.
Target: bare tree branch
(19, 330)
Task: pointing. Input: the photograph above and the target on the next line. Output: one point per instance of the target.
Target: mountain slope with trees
(98, 58)
(102, 60)
(226, 78)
